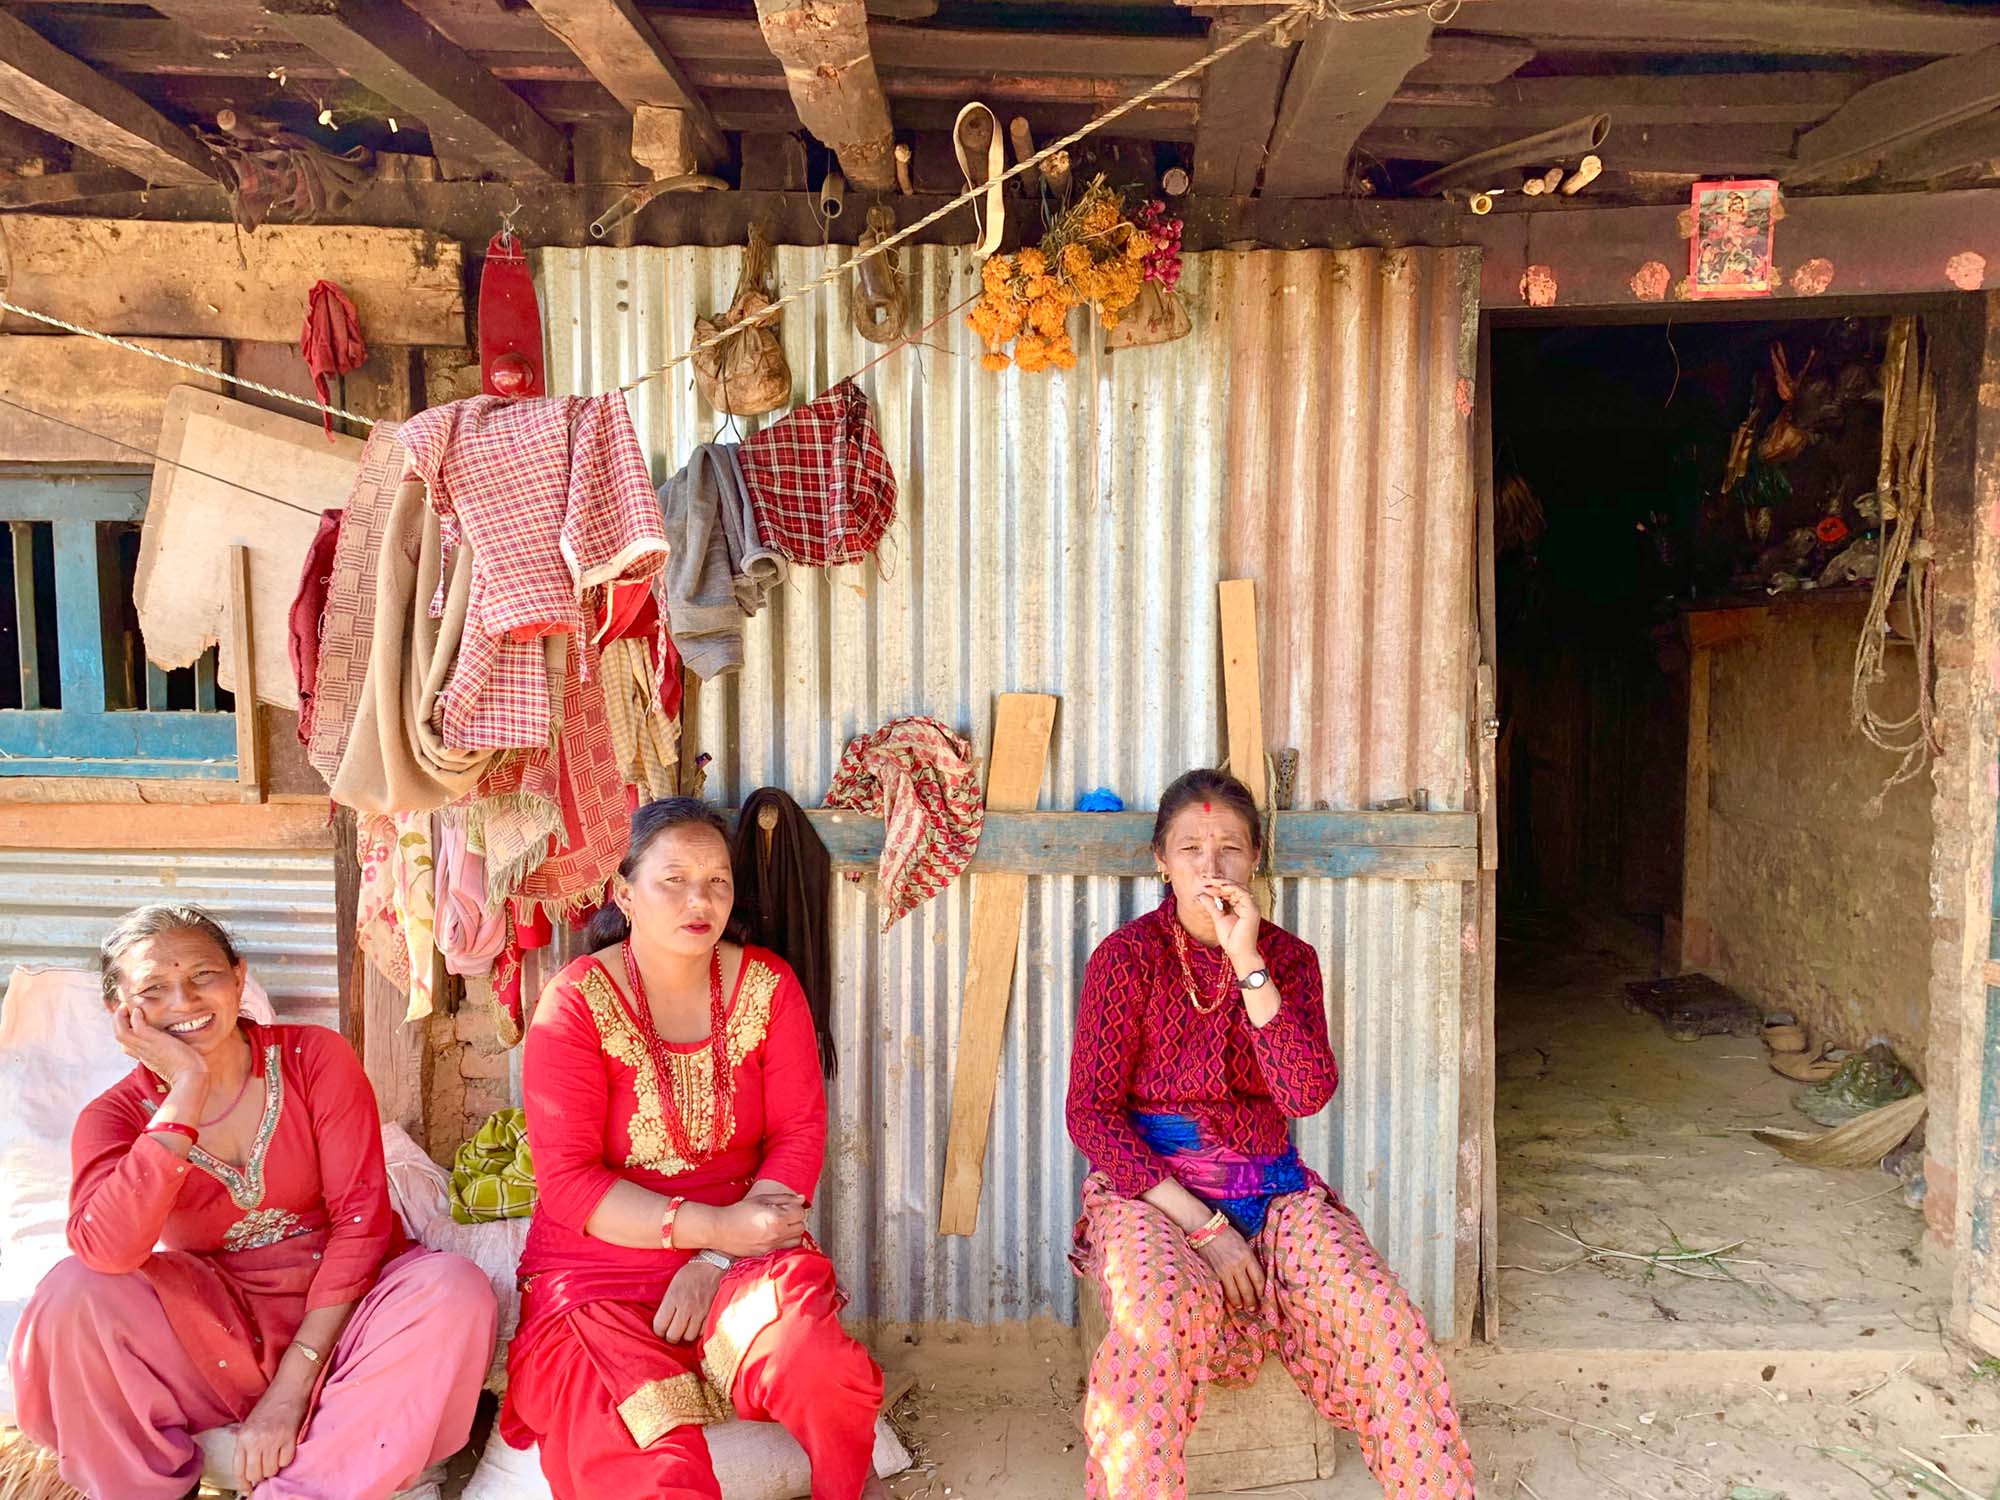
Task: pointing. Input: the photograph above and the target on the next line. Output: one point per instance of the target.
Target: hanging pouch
(745, 374)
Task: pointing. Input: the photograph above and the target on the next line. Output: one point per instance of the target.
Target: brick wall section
(469, 1077)
(1966, 343)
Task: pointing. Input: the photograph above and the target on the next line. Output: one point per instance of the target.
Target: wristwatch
(1256, 979)
(715, 1258)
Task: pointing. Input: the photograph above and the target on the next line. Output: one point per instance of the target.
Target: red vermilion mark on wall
(1649, 282)
(1538, 286)
(1966, 270)
(1814, 277)
(1463, 396)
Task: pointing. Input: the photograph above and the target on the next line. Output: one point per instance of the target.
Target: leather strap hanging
(994, 220)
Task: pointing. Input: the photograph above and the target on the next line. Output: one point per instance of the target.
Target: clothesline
(1440, 13)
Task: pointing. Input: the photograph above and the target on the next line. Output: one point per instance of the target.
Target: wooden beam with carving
(1898, 111)
(830, 71)
(1239, 106)
(1344, 76)
(47, 88)
(625, 54)
(474, 120)
(1976, 143)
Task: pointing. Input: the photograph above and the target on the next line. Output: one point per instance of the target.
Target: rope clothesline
(1440, 13)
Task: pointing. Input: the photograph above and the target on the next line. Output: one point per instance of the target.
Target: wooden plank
(129, 743)
(1309, 845)
(1694, 931)
(156, 791)
(64, 187)
(1524, 105)
(1705, 628)
(1990, 973)
(84, 497)
(1825, 28)
(1457, 58)
(46, 87)
(830, 71)
(473, 118)
(1343, 77)
(27, 632)
(346, 903)
(201, 280)
(625, 54)
(146, 825)
(1022, 724)
(1242, 687)
(249, 753)
(204, 682)
(121, 399)
(1640, 148)
(1239, 107)
(1898, 110)
(263, 480)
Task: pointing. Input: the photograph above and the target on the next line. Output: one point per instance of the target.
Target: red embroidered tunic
(1141, 1045)
(244, 1254)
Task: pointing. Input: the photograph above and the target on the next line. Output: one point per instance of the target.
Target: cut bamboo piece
(1021, 729)
(1861, 1142)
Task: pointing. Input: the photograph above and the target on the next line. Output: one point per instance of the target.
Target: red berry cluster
(1163, 261)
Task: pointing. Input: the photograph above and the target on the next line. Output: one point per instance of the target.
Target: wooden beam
(152, 825)
(46, 87)
(1529, 104)
(1021, 729)
(1899, 110)
(625, 54)
(130, 277)
(1457, 58)
(1664, 148)
(1975, 143)
(830, 70)
(1825, 28)
(1239, 108)
(64, 187)
(117, 399)
(472, 117)
(1343, 77)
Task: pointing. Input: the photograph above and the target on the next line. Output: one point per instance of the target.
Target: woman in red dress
(678, 1122)
(1200, 1036)
(237, 1260)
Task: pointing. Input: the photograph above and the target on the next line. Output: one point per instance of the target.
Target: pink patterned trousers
(1331, 1311)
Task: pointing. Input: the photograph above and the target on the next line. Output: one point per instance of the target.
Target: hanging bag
(745, 374)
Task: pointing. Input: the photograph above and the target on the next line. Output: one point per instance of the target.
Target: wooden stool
(1250, 1436)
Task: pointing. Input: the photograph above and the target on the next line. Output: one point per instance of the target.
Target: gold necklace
(1187, 973)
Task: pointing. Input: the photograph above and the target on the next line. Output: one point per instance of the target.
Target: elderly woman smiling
(1200, 1033)
(237, 1260)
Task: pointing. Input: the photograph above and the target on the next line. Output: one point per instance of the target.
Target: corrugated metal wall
(55, 908)
(1063, 534)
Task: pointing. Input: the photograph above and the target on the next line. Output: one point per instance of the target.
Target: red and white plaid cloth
(923, 781)
(820, 483)
(555, 500)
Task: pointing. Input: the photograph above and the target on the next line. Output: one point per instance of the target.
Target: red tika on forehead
(1208, 807)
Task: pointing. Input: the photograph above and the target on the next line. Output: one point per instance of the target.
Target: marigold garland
(1093, 253)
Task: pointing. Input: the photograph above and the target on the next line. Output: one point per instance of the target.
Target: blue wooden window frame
(86, 736)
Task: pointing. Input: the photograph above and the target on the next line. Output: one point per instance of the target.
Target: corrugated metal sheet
(56, 906)
(1064, 534)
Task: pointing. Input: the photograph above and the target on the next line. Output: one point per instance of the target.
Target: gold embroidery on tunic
(693, 1080)
(659, 1406)
(745, 1317)
(261, 1227)
(246, 1187)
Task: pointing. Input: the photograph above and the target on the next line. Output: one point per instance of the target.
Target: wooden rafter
(1344, 76)
(830, 70)
(474, 120)
(1825, 28)
(1529, 104)
(49, 89)
(1897, 111)
(625, 54)
(1972, 144)
(1239, 106)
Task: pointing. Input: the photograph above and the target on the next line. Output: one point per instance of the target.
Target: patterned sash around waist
(1239, 1183)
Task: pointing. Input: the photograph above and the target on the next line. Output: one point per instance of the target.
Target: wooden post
(249, 748)
(1013, 781)
(1691, 943)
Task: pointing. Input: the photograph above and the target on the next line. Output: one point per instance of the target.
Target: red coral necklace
(723, 1095)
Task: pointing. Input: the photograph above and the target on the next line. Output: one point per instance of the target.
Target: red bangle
(667, 1222)
(1217, 1222)
(174, 1127)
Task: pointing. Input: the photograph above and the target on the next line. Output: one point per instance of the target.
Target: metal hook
(507, 216)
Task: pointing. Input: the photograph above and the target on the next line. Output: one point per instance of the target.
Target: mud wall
(1818, 907)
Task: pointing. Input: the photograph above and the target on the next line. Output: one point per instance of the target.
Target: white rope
(185, 364)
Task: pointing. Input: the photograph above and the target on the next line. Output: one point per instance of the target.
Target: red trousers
(777, 1319)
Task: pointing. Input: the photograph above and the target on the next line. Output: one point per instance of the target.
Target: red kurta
(595, 1108)
(306, 1223)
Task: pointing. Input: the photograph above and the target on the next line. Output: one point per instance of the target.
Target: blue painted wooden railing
(87, 735)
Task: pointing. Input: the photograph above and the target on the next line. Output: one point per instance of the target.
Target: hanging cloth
(819, 480)
(923, 782)
(330, 342)
(784, 878)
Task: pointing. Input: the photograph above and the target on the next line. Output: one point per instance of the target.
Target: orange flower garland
(1092, 253)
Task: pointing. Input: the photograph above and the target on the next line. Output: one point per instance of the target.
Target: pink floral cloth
(395, 911)
(1331, 1311)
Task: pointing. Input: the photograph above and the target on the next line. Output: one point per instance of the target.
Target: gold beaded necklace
(1187, 973)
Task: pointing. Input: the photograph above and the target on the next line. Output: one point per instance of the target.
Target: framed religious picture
(1729, 253)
